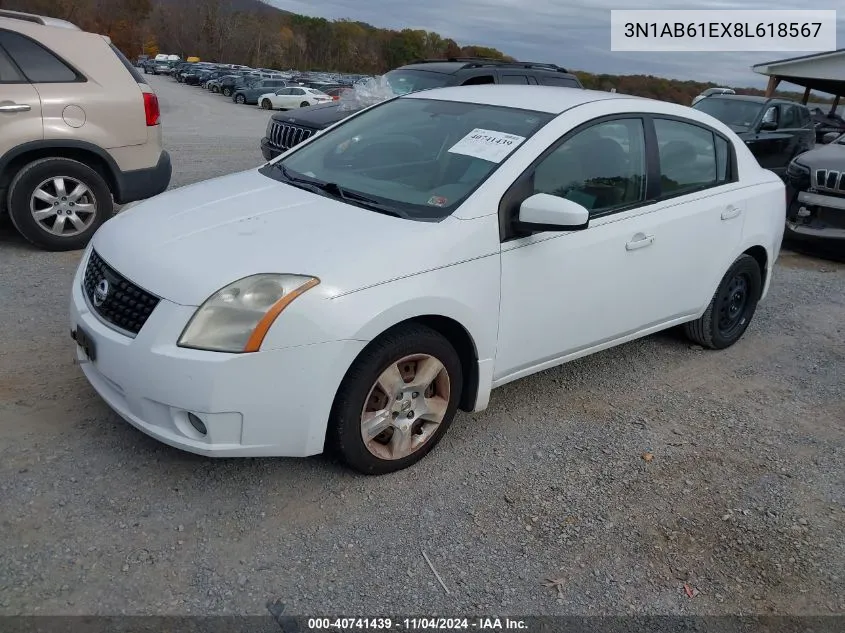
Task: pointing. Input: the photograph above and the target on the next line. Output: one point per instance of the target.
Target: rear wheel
(215, 89)
(240, 99)
(58, 203)
(304, 104)
(266, 104)
(732, 307)
(396, 401)
(227, 92)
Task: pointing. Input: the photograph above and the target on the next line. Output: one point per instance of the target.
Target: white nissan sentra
(355, 292)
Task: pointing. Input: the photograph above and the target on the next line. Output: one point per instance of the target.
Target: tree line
(256, 34)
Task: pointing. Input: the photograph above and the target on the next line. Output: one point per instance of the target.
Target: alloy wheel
(405, 406)
(63, 206)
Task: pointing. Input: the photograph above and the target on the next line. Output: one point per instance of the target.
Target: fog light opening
(199, 425)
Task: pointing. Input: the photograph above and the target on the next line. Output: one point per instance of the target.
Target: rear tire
(240, 99)
(215, 89)
(227, 92)
(429, 407)
(304, 104)
(266, 104)
(31, 214)
(731, 308)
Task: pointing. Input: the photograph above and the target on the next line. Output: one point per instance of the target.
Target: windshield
(417, 158)
(404, 81)
(733, 112)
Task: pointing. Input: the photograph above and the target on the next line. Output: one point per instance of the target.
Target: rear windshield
(136, 75)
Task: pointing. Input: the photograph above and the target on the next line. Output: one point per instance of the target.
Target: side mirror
(544, 212)
(830, 137)
(768, 126)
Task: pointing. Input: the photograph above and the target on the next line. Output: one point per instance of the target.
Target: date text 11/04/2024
(722, 29)
(416, 624)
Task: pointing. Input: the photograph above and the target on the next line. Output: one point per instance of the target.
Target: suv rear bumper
(140, 184)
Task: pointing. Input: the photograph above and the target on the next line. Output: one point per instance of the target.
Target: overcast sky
(571, 33)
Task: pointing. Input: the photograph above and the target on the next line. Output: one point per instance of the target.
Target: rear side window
(136, 75)
(515, 79)
(8, 73)
(564, 82)
(689, 157)
(37, 63)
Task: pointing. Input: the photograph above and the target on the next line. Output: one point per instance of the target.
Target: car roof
(551, 99)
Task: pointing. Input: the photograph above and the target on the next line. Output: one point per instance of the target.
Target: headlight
(237, 317)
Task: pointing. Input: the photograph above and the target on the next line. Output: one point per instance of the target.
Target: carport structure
(823, 72)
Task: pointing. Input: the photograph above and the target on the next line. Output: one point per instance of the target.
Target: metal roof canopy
(824, 72)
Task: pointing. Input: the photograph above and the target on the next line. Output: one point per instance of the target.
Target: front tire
(215, 89)
(266, 104)
(240, 99)
(731, 308)
(58, 203)
(396, 401)
(227, 92)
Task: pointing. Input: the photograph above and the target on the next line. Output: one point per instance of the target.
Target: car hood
(187, 243)
(830, 156)
(315, 117)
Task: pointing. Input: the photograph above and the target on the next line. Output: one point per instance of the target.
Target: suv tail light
(151, 108)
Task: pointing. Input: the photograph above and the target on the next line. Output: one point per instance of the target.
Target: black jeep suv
(775, 130)
(287, 129)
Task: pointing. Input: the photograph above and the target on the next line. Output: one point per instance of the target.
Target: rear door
(20, 108)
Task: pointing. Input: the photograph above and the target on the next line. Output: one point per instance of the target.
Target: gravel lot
(743, 500)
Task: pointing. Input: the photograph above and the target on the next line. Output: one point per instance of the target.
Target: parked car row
(265, 87)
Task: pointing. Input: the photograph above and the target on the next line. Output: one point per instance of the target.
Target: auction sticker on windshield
(487, 145)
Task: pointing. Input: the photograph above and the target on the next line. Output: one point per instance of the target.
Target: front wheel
(215, 89)
(58, 203)
(240, 99)
(227, 92)
(396, 401)
(731, 308)
(266, 104)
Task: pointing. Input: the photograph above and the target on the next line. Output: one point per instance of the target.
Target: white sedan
(293, 97)
(354, 293)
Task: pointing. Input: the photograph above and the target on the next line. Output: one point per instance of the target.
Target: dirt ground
(543, 504)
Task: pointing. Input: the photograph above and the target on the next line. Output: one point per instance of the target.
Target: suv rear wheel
(58, 203)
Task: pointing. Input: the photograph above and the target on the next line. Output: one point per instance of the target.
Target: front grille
(121, 302)
(830, 180)
(285, 135)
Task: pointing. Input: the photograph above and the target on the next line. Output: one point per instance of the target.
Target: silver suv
(80, 129)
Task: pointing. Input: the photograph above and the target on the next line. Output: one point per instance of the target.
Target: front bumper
(816, 218)
(268, 150)
(268, 403)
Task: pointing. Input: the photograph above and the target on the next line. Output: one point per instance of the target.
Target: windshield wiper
(336, 191)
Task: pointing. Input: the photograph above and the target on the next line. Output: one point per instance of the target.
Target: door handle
(640, 240)
(15, 107)
(731, 212)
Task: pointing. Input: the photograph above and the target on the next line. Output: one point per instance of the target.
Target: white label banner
(723, 31)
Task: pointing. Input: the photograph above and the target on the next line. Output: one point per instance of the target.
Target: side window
(788, 117)
(480, 79)
(284, 91)
(687, 157)
(723, 161)
(37, 63)
(564, 82)
(298, 91)
(8, 72)
(514, 79)
(601, 168)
